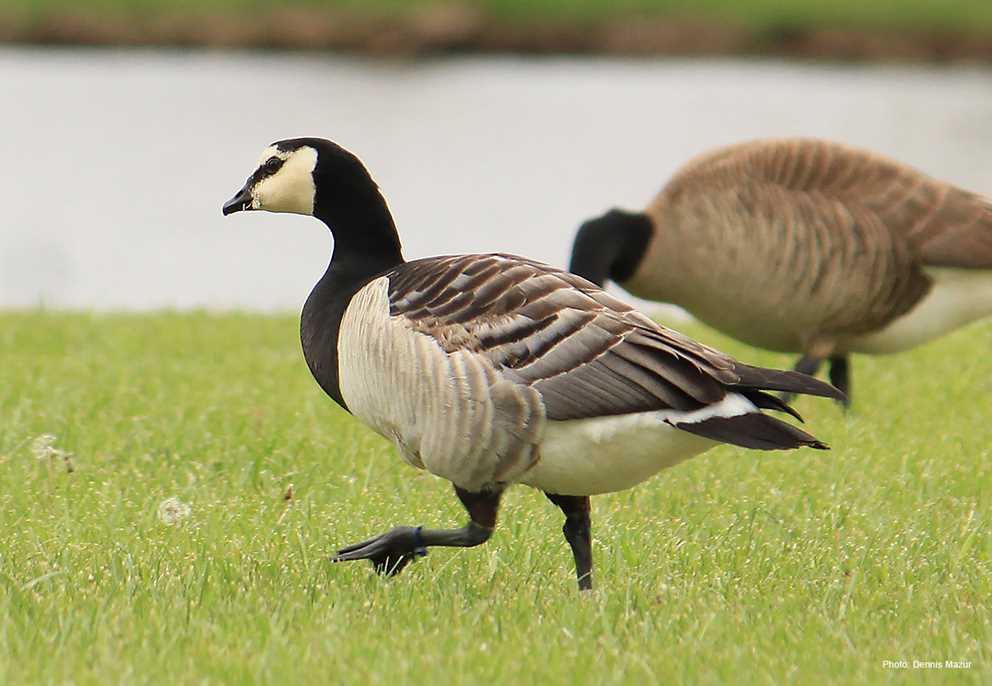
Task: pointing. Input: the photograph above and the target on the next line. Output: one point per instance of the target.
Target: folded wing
(587, 353)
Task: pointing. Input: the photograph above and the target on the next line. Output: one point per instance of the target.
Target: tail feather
(753, 430)
(769, 402)
(764, 379)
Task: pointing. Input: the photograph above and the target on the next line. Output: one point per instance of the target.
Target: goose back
(820, 242)
(944, 225)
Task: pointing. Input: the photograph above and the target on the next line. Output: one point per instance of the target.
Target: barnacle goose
(490, 370)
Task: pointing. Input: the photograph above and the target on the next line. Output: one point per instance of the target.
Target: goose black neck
(365, 237)
(365, 245)
(611, 246)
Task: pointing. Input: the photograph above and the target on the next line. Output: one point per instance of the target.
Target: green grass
(952, 14)
(803, 567)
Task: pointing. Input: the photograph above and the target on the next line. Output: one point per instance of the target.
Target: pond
(116, 163)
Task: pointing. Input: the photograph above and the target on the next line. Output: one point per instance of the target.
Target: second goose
(806, 246)
(491, 370)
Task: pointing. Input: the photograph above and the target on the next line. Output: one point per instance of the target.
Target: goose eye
(272, 165)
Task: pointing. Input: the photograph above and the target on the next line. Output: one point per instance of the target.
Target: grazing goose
(806, 246)
(490, 370)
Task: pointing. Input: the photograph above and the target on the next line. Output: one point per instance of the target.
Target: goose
(490, 370)
(803, 246)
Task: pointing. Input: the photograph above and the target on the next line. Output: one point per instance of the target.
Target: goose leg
(392, 551)
(578, 534)
(840, 377)
(806, 365)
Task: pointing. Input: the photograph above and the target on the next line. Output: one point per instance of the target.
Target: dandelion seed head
(43, 447)
(172, 510)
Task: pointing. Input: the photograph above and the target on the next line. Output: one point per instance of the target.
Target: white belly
(958, 296)
(605, 454)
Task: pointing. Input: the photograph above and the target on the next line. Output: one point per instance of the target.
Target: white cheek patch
(291, 189)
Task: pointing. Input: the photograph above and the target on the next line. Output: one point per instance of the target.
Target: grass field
(804, 567)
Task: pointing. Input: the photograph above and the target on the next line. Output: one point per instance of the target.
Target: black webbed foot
(389, 553)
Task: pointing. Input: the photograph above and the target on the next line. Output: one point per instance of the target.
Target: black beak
(240, 201)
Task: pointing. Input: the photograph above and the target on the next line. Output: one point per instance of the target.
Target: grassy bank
(763, 568)
(826, 28)
(959, 14)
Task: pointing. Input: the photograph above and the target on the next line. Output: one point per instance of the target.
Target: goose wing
(587, 353)
(942, 225)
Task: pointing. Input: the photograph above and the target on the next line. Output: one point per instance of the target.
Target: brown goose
(807, 246)
(490, 370)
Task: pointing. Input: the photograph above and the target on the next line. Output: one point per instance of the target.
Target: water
(114, 165)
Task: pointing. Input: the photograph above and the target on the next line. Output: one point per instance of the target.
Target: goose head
(283, 180)
(611, 246)
(303, 176)
(316, 177)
